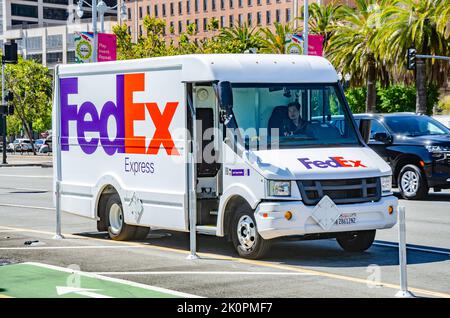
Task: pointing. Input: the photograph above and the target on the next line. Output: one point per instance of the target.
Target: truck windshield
(293, 115)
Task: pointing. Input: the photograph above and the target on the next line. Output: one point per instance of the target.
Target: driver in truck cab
(295, 123)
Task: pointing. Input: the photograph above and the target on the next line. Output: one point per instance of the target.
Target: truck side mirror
(364, 129)
(224, 94)
(382, 137)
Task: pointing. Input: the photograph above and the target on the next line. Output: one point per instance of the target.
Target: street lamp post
(100, 9)
(305, 27)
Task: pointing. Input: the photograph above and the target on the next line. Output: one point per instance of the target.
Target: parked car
(20, 145)
(417, 147)
(38, 143)
(47, 145)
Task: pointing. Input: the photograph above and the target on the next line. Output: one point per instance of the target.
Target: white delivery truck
(260, 146)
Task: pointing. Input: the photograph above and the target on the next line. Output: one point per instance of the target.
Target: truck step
(207, 229)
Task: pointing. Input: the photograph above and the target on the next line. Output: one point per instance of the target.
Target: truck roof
(237, 68)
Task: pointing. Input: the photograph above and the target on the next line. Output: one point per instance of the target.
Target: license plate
(346, 219)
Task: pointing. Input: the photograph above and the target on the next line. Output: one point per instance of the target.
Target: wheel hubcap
(410, 182)
(246, 231)
(115, 218)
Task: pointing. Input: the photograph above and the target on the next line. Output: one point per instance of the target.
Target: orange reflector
(422, 163)
(265, 215)
(288, 215)
(391, 209)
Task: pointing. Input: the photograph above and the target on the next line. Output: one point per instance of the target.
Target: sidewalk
(27, 160)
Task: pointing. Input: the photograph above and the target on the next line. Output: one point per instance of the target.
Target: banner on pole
(84, 47)
(294, 44)
(107, 47)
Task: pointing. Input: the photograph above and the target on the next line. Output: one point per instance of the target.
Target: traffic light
(10, 52)
(411, 59)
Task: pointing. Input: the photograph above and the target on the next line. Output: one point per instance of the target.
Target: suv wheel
(412, 183)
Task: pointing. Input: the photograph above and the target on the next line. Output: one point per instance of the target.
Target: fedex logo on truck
(333, 162)
(130, 119)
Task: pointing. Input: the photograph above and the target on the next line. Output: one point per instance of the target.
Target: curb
(42, 165)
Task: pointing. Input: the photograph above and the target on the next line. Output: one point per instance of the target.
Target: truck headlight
(386, 184)
(437, 149)
(279, 188)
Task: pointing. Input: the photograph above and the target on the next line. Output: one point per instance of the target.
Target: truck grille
(344, 191)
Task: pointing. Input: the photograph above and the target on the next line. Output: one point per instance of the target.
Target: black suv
(417, 147)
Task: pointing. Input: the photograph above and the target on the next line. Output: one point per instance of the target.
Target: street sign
(84, 47)
(294, 44)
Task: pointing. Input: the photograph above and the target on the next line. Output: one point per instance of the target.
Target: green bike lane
(37, 280)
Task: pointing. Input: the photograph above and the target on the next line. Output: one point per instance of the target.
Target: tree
(352, 48)
(31, 85)
(322, 17)
(419, 24)
(275, 42)
(241, 37)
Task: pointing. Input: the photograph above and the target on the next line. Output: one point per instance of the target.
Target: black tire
(356, 242)
(259, 246)
(124, 232)
(422, 188)
(141, 232)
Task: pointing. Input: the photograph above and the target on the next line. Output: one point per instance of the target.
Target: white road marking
(31, 247)
(115, 280)
(26, 206)
(206, 273)
(62, 290)
(24, 176)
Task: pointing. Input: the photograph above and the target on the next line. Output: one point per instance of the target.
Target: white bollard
(403, 292)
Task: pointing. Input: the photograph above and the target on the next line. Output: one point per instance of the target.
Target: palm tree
(352, 46)
(419, 24)
(322, 17)
(242, 37)
(275, 42)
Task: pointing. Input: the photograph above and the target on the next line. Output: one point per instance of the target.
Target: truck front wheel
(246, 239)
(356, 242)
(118, 230)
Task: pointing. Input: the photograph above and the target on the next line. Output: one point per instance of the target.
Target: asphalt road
(292, 269)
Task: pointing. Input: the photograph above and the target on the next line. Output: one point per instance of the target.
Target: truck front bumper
(271, 221)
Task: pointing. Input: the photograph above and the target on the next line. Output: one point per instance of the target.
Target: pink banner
(107, 45)
(315, 45)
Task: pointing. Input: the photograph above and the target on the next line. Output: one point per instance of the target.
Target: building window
(241, 19)
(268, 18)
(54, 41)
(54, 57)
(205, 5)
(196, 5)
(24, 10)
(231, 18)
(288, 15)
(249, 3)
(70, 57)
(213, 5)
(129, 14)
(163, 9)
(258, 2)
(62, 2)
(140, 29)
(148, 10)
(180, 27)
(222, 21)
(156, 10)
(277, 15)
(180, 8)
(249, 19)
(258, 18)
(240, 3)
(172, 10)
(188, 7)
(205, 24)
(140, 13)
(197, 26)
(222, 4)
(231, 4)
(55, 14)
(34, 43)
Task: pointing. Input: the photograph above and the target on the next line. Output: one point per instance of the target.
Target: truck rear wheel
(356, 242)
(246, 239)
(118, 230)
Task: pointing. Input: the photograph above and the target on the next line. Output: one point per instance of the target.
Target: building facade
(178, 14)
(44, 29)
